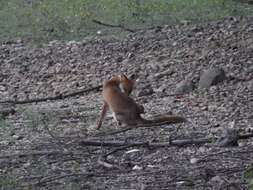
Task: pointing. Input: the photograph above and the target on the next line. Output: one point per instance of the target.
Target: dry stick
(61, 96)
(245, 136)
(137, 126)
(113, 26)
(53, 136)
(102, 158)
(116, 150)
(148, 144)
(181, 142)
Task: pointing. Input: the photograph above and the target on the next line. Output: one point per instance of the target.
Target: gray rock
(211, 76)
(217, 179)
(228, 138)
(184, 86)
(250, 85)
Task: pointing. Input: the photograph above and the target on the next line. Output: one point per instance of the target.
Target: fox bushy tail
(163, 120)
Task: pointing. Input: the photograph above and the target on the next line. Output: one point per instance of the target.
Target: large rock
(211, 76)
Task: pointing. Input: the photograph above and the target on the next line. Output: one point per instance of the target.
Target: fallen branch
(246, 136)
(182, 142)
(148, 144)
(137, 126)
(113, 26)
(58, 97)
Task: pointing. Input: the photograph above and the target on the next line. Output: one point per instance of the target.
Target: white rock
(136, 167)
(194, 160)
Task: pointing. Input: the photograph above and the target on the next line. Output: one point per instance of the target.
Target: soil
(43, 145)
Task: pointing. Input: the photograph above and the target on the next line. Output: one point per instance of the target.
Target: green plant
(32, 118)
(248, 175)
(37, 120)
(3, 123)
(44, 20)
(8, 182)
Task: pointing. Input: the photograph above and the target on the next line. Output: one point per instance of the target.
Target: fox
(121, 84)
(125, 110)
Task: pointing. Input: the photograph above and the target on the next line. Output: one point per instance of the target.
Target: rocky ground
(53, 144)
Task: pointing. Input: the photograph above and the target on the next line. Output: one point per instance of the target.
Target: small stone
(217, 179)
(193, 160)
(184, 86)
(136, 167)
(250, 85)
(211, 76)
(17, 137)
(242, 144)
(161, 58)
(119, 59)
(27, 164)
(130, 55)
(2, 88)
(5, 143)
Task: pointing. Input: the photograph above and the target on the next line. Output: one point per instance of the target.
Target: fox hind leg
(105, 108)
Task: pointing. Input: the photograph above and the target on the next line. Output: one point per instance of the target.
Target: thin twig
(149, 144)
(53, 136)
(116, 150)
(246, 136)
(181, 142)
(135, 127)
(58, 97)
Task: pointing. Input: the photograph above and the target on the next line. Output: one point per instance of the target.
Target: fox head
(126, 84)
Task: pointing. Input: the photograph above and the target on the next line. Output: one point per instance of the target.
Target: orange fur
(121, 85)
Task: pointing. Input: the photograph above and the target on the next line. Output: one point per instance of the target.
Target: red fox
(122, 85)
(125, 110)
